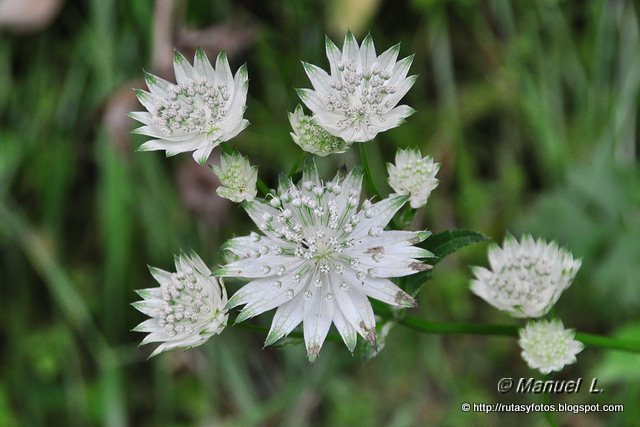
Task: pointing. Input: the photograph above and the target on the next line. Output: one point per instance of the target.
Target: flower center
(195, 106)
(360, 94)
(184, 305)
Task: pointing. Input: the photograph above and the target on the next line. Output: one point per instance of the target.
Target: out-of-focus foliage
(531, 107)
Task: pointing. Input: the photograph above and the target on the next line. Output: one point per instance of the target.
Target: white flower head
(312, 138)
(526, 278)
(186, 309)
(413, 176)
(204, 108)
(237, 178)
(358, 99)
(547, 346)
(318, 257)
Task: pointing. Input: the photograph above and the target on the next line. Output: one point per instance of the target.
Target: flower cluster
(320, 252)
(186, 309)
(203, 109)
(318, 256)
(547, 346)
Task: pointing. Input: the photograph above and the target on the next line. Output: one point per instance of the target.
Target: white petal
(319, 78)
(401, 90)
(346, 331)
(202, 67)
(317, 321)
(311, 99)
(261, 267)
(224, 71)
(242, 125)
(357, 309)
(400, 70)
(382, 212)
(182, 68)
(201, 155)
(394, 118)
(147, 100)
(287, 317)
(367, 54)
(158, 86)
(387, 60)
(386, 291)
(141, 116)
(350, 50)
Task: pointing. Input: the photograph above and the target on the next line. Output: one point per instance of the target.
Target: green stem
(367, 171)
(446, 328)
(297, 163)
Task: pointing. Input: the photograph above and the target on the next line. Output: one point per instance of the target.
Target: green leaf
(441, 244)
(450, 241)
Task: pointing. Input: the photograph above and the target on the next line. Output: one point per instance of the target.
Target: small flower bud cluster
(413, 176)
(312, 138)
(237, 178)
(547, 346)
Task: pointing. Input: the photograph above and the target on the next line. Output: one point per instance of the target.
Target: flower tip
(271, 339)
(312, 352)
(177, 56)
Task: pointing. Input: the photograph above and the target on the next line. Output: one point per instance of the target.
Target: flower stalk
(455, 328)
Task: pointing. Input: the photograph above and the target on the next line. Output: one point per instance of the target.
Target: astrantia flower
(526, 278)
(547, 346)
(237, 178)
(204, 109)
(318, 257)
(358, 100)
(413, 176)
(312, 138)
(186, 309)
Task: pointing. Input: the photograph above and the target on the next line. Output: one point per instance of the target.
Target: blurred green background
(531, 107)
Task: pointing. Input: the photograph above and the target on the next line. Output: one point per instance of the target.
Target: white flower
(204, 109)
(547, 346)
(358, 100)
(526, 278)
(186, 309)
(312, 138)
(237, 178)
(413, 176)
(318, 257)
